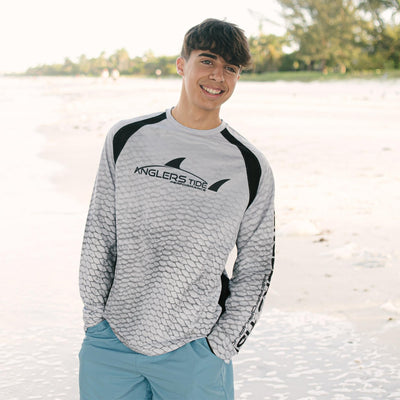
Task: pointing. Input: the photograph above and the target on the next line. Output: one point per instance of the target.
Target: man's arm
(99, 251)
(251, 273)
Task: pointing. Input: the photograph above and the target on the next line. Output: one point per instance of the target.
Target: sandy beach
(331, 323)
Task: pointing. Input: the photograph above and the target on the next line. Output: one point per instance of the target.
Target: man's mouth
(211, 90)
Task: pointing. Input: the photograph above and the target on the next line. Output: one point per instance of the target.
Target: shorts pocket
(208, 368)
(98, 328)
(204, 344)
(208, 345)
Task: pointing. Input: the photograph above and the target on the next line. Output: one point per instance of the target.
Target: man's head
(222, 38)
(213, 55)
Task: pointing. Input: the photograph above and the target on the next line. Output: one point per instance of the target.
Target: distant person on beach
(175, 192)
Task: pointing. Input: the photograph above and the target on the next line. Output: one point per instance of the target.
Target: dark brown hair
(220, 37)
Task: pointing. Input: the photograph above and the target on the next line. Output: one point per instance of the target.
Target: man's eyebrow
(213, 56)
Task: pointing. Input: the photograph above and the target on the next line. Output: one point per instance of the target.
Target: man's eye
(207, 62)
(232, 70)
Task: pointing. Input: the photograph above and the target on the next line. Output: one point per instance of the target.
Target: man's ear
(180, 62)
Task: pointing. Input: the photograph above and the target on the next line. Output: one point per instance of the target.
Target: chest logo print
(172, 172)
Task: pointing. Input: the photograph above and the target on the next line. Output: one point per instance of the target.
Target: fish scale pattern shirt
(168, 206)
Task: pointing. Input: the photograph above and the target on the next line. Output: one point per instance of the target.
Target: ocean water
(335, 152)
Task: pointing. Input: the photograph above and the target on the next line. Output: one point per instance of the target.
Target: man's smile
(211, 90)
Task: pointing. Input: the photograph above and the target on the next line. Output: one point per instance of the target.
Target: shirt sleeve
(252, 272)
(98, 256)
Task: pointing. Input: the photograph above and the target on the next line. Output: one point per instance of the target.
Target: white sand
(331, 324)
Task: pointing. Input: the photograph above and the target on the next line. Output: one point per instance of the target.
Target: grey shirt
(168, 206)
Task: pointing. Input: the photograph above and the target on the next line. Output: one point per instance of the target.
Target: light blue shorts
(109, 370)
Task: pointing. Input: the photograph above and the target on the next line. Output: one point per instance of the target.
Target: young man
(175, 191)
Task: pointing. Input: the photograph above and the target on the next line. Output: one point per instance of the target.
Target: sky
(47, 31)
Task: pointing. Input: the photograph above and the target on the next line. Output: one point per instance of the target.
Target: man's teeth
(212, 91)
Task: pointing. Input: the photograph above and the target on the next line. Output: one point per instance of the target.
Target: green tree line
(321, 35)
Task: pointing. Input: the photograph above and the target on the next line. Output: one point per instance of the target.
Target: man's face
(208, 80)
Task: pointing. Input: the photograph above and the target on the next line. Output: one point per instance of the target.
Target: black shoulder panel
(123, 135)
(253, 167)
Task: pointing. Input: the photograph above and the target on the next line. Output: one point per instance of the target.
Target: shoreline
(267, 77)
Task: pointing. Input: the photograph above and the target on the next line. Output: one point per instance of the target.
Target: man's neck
(196, 119)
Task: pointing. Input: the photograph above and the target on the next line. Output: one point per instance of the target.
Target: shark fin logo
(174, 173)
(215, 186)
(176, 163)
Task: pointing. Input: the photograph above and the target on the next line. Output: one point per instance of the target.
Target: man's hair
(220, 37)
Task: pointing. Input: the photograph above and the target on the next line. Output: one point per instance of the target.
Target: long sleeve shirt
(168, 206)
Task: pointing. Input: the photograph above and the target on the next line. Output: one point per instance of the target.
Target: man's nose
(217, 73)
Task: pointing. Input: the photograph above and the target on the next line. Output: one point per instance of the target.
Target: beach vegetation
(323, 40)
